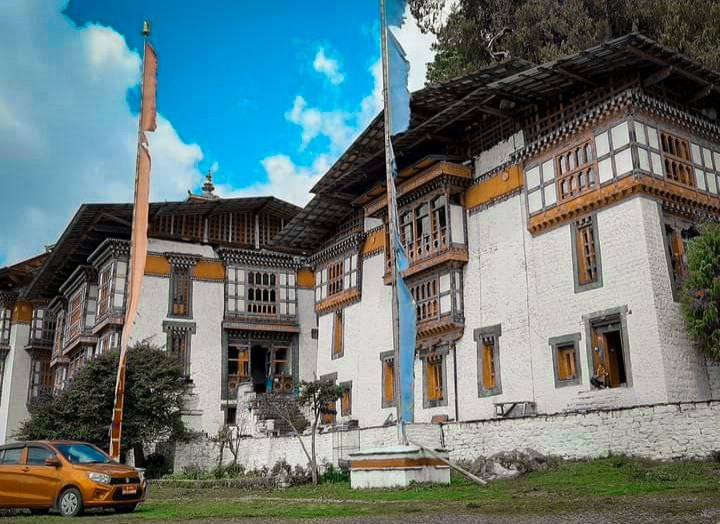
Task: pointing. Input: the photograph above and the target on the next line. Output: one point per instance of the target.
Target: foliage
(156, 466)
(333, 474)
(542, 30)
(83, 411)
(701, 290)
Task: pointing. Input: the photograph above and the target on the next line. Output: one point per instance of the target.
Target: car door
(11, 492)
(40, 481)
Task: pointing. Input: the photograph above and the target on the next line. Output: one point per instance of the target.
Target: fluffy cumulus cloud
(328, 67)
(337, 127)
(68, 135)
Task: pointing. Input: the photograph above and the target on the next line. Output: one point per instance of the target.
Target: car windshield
(82, 454)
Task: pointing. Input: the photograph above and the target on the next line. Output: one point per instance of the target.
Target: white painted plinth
(397, 466)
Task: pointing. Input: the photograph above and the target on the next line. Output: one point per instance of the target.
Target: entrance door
(608, 354)
(259, 361)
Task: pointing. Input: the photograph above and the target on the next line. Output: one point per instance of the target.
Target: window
(3, 358)
(566, 360)
(434, 381)
(540, 181)
(180, 290)
(238, 368)
(281, 369)
(37, 456)
(5, 316)
(104, 289)
(119, 282)
(648, 148)
(260, 292)
(423, 228)
(706, 168)
(91, 307)
(677, 235)
(74, 325)
(178, 344)
(337, 341)
(607, 347)
(336, 277)
(231, 415)
(329, 413)
(613, 151)
(676, 157)
(434, 296)
(576, 171)
(40, 377)
(42, 326)
(346, 399)
(487, 340)
(11, 456)
(388, 379)
(586, 254)
(59, 335)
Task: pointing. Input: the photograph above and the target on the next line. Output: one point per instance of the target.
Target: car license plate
(129, 490)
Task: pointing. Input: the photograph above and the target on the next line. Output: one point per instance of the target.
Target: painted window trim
(191, 285)
(579, 288)
(566, 340)
(494, 332)
(347, 386)
(339, 354)
(428, 404)
(188, 329)
(598, 317)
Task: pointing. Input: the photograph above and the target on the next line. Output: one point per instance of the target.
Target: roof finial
(208, 186)
(146, 28)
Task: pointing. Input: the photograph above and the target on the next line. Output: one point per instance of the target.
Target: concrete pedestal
(397, 466)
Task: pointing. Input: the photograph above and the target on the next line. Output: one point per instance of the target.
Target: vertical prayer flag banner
(138, 236)
(398, 71)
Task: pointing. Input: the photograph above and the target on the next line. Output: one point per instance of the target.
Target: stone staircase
(595, 399)
(266, 407)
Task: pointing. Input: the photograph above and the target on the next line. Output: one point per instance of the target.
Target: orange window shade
(678, 253)
(244, 363)
(345, 402)
(566, 362)
(338, 333)
(388, 381)
(434, 379)
(328, 417)
(489, 379)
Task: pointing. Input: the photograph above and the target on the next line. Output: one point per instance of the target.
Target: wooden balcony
(430, 251)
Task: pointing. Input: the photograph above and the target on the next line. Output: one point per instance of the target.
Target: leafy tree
(701, 290)
(316, 397)
(542, 30)
(153, 398)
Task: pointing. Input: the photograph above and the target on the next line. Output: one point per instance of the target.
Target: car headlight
(141, 475)
(102, 478)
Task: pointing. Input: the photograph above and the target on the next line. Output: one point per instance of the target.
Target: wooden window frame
(546, 187)
(706, 167)
(181, 331)
(105, 285)
(338, 334)
(677, 158)
(387, 361)
(435, 365)
(437, 238)
(329, 419)
(41, 378)
(581, 231)
(243, 372)
(573, 178)
(556, 345)
(265, 284)
(42, 326)
(337, 276)
(177, 275)
(483, 337)
(677, 232)
(346, 406)
(5, 323)
(601, 319)
(282, 294)
(74, 327)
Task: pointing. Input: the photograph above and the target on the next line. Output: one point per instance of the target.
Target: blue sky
(268, 94)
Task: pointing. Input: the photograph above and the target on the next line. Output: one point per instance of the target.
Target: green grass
(667, 488)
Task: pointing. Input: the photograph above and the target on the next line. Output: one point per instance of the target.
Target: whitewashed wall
(13, 404)
(307, 353)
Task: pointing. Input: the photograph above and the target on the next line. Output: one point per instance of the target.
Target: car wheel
(125, 509)
(70, 503)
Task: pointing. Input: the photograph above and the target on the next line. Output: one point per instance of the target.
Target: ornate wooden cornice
(259, 326)
(681, 199)
(338, 301)
(78, 277)
(349, 244)
(182, 260)
(109, 248)
(7, 299)
(247, 257)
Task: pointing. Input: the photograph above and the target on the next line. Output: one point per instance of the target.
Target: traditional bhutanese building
(545, 210)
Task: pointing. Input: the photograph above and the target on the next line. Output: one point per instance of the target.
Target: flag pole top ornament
(146, 28)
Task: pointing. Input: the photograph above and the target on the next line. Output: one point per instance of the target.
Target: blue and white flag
(406, 314)
(398, 70)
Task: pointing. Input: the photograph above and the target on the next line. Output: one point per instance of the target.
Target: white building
(545, 210)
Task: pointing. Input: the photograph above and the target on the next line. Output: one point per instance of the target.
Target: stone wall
(663, 431)
(667, 431)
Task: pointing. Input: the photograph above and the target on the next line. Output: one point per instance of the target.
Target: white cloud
(418, 48)
(68, 134)
(328, 67)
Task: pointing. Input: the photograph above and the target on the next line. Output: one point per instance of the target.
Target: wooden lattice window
(238, 366)
(677, 160)
(41, 379)
(338, 335)
(329, 413)
(74, 325)
(262, 293)
(567, 358)
(43, 326)
(488, 360)
(586, 247)
(179, 345)
(434, 378)
(576, 171)
(425, 295)
(105, 280)
(488, 364)
(335, 278)
(5, 315)
(180, 288)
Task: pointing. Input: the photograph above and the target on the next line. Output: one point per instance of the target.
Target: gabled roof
(502, 92)
(18, 275)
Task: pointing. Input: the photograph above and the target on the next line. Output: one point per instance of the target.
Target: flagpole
(119, 403)
(392, 222)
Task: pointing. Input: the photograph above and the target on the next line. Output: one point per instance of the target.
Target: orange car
(67, 476)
